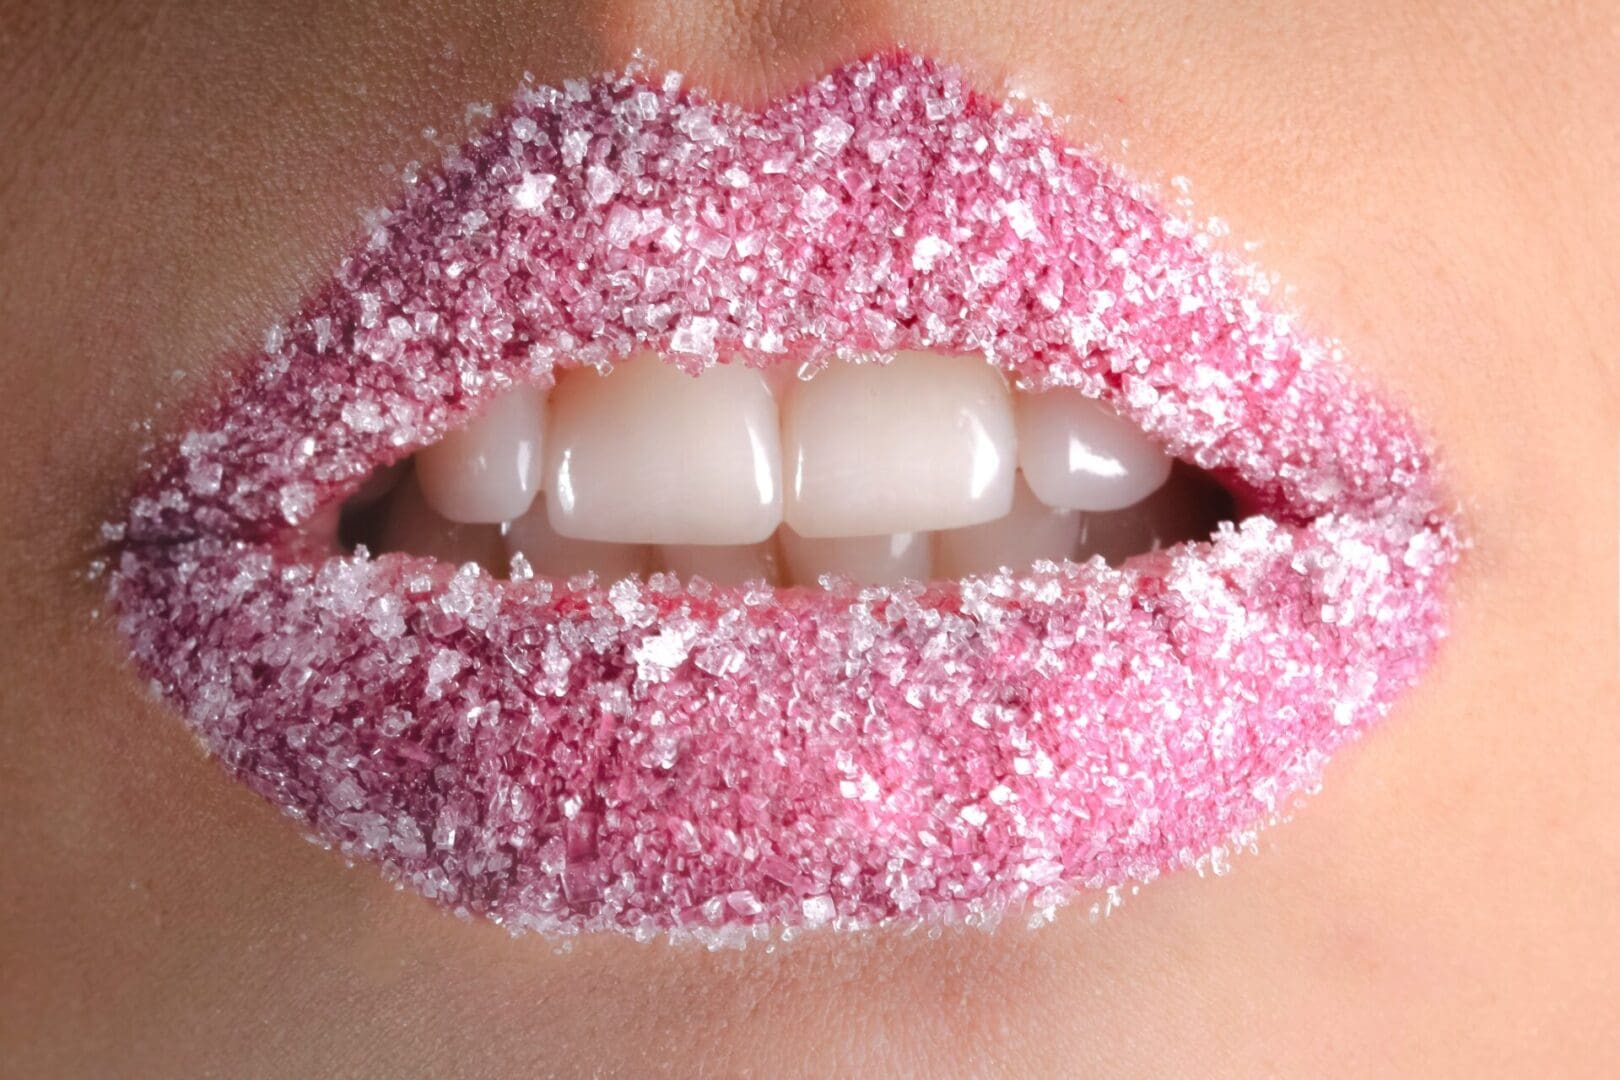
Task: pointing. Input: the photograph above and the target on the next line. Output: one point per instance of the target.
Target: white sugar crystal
(744, 903)
(533, 190)
(696, 336)
(445, 665)
(622, 226)
(601, 184)
(1020, 219)
(660, 654)
(817, 205)
(297, 502)
(697, 124)
(927, 251)
(831, 136)
(575, 145)
(204, 477)
(818, 910)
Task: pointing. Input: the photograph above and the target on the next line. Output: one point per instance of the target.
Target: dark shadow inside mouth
(1189, 507)
(364, 515)
(387, 515)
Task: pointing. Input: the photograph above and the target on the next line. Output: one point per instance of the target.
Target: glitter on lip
(645, 758)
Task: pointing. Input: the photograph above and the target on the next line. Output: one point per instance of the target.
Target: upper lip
(990, 741)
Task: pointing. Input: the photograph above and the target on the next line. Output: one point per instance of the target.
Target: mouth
(905, 469)
(673, 519)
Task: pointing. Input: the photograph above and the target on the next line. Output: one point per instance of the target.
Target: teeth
(926, 465)
(1079, 454)
(1188, 506)
(724, 564)
(865, 560)
(414, 527)
(926, 441)
(1031, 531)
(649, 454)
(780, 377)
(563, 557)
(488, 471)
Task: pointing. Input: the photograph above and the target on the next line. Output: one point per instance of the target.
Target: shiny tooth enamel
(1079, 454)
(724, 564)
(650, 454)
(865, 560)
(926, 441)
(490, 470)
(554, 555)
(1030, 531)
(414, 527)
(781, 377)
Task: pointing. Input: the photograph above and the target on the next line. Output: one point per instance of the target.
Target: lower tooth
(1187, 507)
(1030, 531)
(414, 527)
(723, 564)
(865, 560)
(554, 555)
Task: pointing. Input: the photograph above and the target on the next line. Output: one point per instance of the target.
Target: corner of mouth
(645, 757)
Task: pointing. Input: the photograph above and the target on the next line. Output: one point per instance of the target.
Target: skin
(1436, 183)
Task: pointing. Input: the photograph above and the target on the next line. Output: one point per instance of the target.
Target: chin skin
(1440, 908)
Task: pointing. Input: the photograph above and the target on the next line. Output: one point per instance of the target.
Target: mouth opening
(917, 467)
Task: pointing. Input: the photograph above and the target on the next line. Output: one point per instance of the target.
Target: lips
(650, 757)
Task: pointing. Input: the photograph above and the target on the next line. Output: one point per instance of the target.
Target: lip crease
(730, 763)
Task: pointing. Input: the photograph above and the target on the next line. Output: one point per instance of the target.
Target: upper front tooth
(1079, 454)
(924, 442)
(489, 471)
(780, 376)
(650, 454)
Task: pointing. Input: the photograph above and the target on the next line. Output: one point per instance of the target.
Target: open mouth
(951, 530)
(926, 466)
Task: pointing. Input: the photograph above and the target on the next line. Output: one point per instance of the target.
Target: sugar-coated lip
(722, 763)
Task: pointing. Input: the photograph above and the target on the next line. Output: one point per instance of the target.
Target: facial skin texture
(1434, 180)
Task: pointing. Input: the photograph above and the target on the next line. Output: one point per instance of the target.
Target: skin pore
(1434, 182)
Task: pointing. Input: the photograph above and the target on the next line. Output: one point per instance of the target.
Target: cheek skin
(1447, 241)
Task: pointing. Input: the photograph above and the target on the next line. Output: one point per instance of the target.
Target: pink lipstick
(654, 757)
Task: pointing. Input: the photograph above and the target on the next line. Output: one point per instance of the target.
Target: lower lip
(721, 763)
